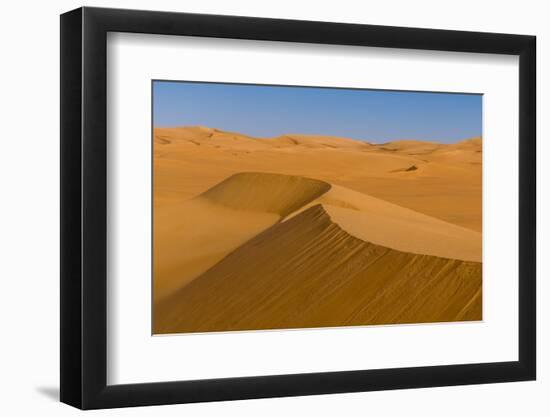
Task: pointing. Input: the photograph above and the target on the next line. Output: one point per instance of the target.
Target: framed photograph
(259, 208)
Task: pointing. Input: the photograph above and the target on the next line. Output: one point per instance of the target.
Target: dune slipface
(309, 272)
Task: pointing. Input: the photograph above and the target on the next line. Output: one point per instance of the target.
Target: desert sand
(313, 231)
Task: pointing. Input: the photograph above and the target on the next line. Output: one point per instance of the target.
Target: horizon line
(381, 142)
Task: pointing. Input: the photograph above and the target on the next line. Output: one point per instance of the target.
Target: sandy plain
(313, 231)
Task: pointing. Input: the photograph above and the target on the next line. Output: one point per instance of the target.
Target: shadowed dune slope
(271, 193)
(191, 236)
(309, 272)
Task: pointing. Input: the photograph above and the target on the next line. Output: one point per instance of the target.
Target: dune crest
(264, 192)
(315, 274)
(383, 223)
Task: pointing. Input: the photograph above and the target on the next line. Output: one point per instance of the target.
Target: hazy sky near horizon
(268, 111)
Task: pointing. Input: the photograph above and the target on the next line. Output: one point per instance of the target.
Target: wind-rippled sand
(311, 231)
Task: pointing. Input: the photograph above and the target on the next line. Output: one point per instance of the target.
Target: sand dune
(446, 183)
(271, 193)
(193, 235)
(308, 231)
(462, 152)
(309, 272)
(205, 136)
(410, 147)
(396, 227)
(317, 141)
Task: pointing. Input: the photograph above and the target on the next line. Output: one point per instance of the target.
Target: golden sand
(309, 231)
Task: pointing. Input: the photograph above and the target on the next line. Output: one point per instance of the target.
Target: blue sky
(267, 111)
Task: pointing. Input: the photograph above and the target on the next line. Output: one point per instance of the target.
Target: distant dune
(308, 231)
(318, 142)
(308, 272)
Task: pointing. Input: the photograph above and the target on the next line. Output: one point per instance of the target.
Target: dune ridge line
(260, 191)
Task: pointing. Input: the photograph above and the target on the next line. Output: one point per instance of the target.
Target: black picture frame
(84, 207)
